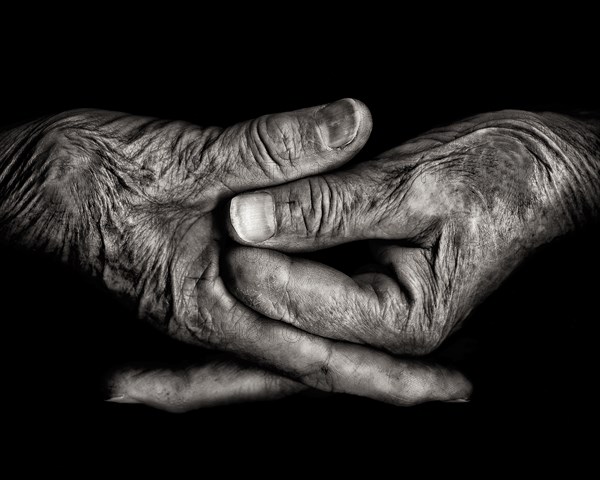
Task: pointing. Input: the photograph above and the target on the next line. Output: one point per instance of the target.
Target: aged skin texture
(140, 205)
(449, 215)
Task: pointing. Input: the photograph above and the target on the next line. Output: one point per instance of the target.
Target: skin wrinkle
(389, 203)
(552, 147)
(383, 306)
(146, 256)
(321, 371)
(16, 178)
(286, 292)
(195, 164)
(405, 307)
(426, 307)
(111, 190)
(29, 194)
(325, 200)
(127, 184)
(202, 323)
(337, 207)
(446, 275)
(274, 133)
(314, 199)
(391, 314)
(259, 144)
(347, 209)
(471, 207)
(309, 230)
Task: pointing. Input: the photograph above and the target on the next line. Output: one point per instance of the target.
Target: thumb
(327, 210)
(277, 148)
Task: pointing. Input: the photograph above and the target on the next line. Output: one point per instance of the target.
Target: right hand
(449, 216)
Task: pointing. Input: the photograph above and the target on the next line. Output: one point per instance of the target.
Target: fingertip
(453, 386)
(463, 389)
(117, 387)
(243, 267)
(416, 383)
(366, 122)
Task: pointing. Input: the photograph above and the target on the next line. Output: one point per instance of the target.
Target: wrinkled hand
(134, 202)
(450, 215)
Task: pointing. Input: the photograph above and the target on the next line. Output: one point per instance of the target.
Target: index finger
(330, 365)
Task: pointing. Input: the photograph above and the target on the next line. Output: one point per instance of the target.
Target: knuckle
(425, 334)
(319, 374)
(280, 135)
(320, 210)
(67, 168)
(392, 319)
(274, 143)
(189, 146)
(198, 308)
(197, 326)
(415, 311)
(405, 328)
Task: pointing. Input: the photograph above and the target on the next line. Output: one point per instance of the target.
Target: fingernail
(459, 400)
(122, 399)
(338, 123)
(253, 216)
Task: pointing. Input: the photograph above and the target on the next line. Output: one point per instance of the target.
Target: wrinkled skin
(134, 202)
(449, 214)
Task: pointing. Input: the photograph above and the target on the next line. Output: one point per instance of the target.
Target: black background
(530, 349)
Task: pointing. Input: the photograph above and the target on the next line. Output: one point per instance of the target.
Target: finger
(371, 308)
(326, 364)
(327, 210)
(274, 149)
(217, 383)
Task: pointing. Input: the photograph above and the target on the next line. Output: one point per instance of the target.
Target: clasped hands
(200, 231)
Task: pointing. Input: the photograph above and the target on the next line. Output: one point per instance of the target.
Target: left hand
(135, 203)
